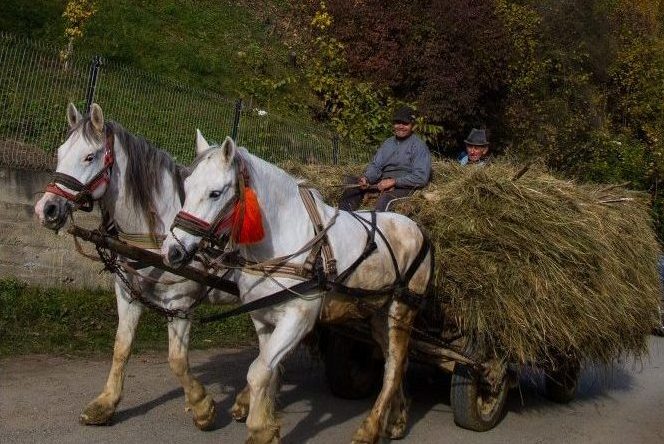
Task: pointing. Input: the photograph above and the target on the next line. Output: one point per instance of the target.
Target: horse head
(212, 191)
(83, 171)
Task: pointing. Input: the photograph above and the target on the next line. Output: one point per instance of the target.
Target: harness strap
(146, 241)
(403, 293)
(424, 249)
(264, 302)
(324, 247)
(369, 248)
(282, 260)
(398, 280)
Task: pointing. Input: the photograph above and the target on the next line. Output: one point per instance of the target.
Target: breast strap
(319, 263)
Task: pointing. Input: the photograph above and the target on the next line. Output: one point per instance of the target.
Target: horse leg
(240, 409)
(196, 399)
(399, 322)
(262, 377)
(397, 418)
(101, 409)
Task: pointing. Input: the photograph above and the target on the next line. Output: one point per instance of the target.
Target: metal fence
(35, 88)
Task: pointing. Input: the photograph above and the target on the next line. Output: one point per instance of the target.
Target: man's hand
(363, 182)
(386, 184)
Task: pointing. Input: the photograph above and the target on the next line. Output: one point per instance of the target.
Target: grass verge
(83, 322)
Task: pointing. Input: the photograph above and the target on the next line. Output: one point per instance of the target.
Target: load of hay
(535, 268)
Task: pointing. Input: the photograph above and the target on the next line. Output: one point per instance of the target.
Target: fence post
(335, 149)
(236, 119)
(93, 80)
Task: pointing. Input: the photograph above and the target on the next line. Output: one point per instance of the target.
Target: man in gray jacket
(401, 165)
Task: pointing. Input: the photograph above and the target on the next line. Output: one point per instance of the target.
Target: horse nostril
(51, 212)
(175, 255)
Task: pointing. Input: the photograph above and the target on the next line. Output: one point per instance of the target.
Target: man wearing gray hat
(477, 148)
(401, 165)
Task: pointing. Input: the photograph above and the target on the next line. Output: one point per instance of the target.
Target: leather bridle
(227, 219)
(82, 196)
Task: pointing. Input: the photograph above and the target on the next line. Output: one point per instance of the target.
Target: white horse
(139, 188)
(211, 190)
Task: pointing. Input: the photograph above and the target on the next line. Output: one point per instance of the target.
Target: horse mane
(251, 161)
(145, 166)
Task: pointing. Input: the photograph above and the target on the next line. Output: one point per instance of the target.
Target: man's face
(403, 129)
(476, 152)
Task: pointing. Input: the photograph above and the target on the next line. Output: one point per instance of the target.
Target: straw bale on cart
(538, 268)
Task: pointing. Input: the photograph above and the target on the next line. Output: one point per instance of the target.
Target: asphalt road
(42, 396)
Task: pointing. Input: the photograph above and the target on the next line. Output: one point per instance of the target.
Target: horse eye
(90, 157)
(215, 194)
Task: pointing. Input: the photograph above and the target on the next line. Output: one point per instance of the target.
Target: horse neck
(117, 202)
(285, 220)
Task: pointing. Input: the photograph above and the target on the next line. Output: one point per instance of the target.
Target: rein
(82, 196)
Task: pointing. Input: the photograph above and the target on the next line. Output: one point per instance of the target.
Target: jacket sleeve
(375, 168)
(421, 168)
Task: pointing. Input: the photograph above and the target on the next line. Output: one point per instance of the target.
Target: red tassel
(247, 219)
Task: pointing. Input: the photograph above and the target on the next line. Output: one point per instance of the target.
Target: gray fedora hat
(477, 137)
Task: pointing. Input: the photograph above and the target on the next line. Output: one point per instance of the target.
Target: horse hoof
(264, 436)
(96, 414)
(396, 431)
(364, 436)
(206, 419)
(239, 412)
(361, 438)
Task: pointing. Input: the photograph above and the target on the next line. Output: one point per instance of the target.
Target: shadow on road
(224, 374)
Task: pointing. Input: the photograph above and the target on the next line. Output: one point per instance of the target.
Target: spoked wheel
(477, 403)
(561, 384)
(352, 370)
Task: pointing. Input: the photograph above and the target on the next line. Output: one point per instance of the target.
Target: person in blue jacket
(477, 148)
(401, 165)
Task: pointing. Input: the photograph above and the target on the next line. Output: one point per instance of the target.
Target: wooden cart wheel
(352, 370)
(476, 404)
(560, 385)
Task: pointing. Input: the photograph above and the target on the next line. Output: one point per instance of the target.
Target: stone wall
(32, 253)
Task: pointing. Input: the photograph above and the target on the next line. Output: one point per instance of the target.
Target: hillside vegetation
(218, 45)
(577, 85)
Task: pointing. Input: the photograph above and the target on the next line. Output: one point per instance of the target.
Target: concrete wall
(30, 252)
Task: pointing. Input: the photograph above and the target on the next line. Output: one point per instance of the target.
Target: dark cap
(404, 114)
(477, 137)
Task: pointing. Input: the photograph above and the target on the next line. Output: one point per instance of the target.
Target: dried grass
(534, 268)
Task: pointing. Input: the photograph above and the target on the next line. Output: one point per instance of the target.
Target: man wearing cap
(401, 165)
(477, 149)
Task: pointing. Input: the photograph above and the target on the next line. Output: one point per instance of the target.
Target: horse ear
(201, 144)
(228, 149)
(97, 117)
(73, 116)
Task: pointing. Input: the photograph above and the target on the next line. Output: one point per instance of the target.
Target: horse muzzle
(177, 256)
(55, 212)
